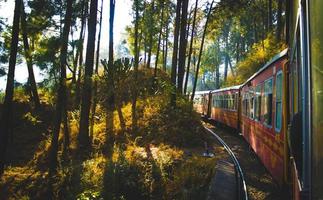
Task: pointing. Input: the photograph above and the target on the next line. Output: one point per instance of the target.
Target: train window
(258, 102)
(243, 104)
(230, 102)
(233, 102)
(225, 101)
(279, 105)
(220, 101)
(267, 102)
(251, 103)
(231, 107)
(247, 104)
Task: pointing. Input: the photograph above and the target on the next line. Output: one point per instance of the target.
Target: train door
(315, 63)
(238, 109)
(300, 130)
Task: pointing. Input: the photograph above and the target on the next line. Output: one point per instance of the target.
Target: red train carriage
(224, 106)
(201, 101)
(263, 111)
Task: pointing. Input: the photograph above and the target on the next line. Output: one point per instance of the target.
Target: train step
(223, 185)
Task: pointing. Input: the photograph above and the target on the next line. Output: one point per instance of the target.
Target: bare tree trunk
(217, 72)
(159, 38)
(166, 46)
(134, 95)
(144, 37)
(238, 50)
(6, 117)
(230, 65)
(96, 72)
(79, 42)
(279, 20)
(111, 96)
(175, 52)
(201, 51)
(66, 131)
(191, 48)
(84, 140)
(119, 110)
(270, 14)
(226, 64)
(28, 57)
(182, 47)
(80, 65)
(61, 95)
(163, 54)
(151, 30)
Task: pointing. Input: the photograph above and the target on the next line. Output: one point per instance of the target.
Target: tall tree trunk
(270, 14)
(81, 47)
(134, 92)
(163, 53)
(279, 20)
(226, 63)
(166, 45)
(66, 131)
(151, 30)
(238, 49)
(159, 38)
(28, 57)
(182, 47)
(119, 110)
(61, 95)
(191, 48)
(217, 72)
(175, 52)
(144, 37)
(78, 46)
(6, 117)
(230, 65)
(96, 72)
(87, 90)
(111, 87)
(255, 30)
(201, 51)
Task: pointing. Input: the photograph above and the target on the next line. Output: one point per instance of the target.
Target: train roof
(236, 87)
(274, 59)
(202, 92)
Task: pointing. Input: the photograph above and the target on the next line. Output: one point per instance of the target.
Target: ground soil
(260, 184)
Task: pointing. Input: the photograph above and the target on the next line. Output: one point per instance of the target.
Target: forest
(113, 119)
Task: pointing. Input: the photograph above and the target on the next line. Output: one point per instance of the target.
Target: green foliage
(31, 119)
(2, 95)
(259, 54)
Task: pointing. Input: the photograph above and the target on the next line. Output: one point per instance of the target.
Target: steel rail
(243, 194)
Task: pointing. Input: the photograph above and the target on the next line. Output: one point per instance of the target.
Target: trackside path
(260, 184)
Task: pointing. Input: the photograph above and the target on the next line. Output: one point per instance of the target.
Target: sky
(123, 18)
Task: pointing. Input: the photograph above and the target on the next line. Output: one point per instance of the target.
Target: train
(279, 109)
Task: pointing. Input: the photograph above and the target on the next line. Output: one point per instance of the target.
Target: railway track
(242, 193)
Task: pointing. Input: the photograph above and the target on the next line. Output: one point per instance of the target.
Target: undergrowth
(160, 161)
